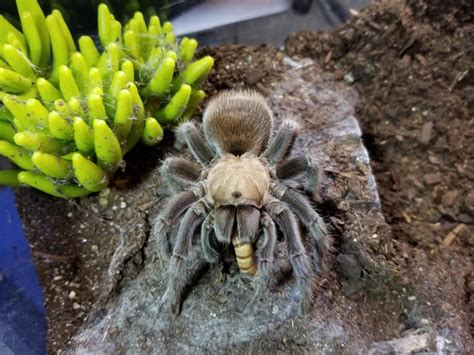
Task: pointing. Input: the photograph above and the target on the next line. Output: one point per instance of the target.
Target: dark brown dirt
(411, 63)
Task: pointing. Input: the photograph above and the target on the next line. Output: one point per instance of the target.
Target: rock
(348, 266)
(131, 322)
(409, 344)
(426, 132)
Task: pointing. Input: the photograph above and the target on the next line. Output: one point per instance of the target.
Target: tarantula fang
(236, 195)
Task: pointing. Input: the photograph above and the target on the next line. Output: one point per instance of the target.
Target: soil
(411, 64)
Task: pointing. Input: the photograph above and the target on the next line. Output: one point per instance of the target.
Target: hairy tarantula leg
(190, 134)
(281, 142)
(296, 166)
(300, 262)
(164, 222)
(179, 173)
(266, 246)
(310, 218)
(177, 269)
(211, 254)
(224, 220)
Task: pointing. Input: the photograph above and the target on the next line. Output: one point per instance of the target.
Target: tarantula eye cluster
(236, 195)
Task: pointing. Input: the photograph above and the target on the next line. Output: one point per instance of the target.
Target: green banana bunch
(164, 69)
(70, 113)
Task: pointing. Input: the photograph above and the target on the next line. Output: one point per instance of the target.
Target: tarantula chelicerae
(236, 196)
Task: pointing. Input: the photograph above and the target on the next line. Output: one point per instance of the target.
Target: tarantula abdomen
(237, 196)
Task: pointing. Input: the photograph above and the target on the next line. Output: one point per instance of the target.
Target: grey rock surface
(213, 318)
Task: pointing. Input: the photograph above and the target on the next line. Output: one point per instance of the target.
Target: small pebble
(123, 204)
(94, 248)
(349, 78)
(57, 278)
(411, 298)
(103, 202)
(71, 295)
(69, 215)
(76, 305)
(275, 310)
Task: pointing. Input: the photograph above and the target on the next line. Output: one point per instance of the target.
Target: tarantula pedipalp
(235, 192)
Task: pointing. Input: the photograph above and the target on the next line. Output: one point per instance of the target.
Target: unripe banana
(127, 68)
(132, 44)
(140, 23)
(197, 70)
(118, 83)
(152, 133)
(39, 141)
(9, 177)
(96, 108)
(75, 107)
(170, 38)
(95, 79)
(47, 91)
(62, 107)
(60, 127)
(52, 165)
(161, 81)
(89, 174)
(34, 9)
(136, 133)
(89, 51)
(59, 45)
(80, 71)
(65, 30)
(172, 55)
(50, 186)
(109, 63)
(123, 115)
(13, 82)
(167, 27)
(67, 83)
(7, 132)
(13, 40)
(83, 136)
(196, 98)
(107, 146)
(138, 107)
(7, 28)
(155, 22)
(176, 106)
(39, 114)
(19, 156)
(18, 61)
(116, 32)
(187, 48)
(104, 24)
(22, 118)
(33, 38)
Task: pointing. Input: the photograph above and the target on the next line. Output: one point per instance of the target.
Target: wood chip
(451, 236)
(432, 179)
(426, 132)
(148, 205)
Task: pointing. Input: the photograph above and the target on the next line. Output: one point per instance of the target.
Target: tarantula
(235, 193)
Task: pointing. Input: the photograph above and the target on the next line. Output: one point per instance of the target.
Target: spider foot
(169, 306)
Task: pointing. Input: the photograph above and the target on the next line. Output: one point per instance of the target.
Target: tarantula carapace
(237, 196)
